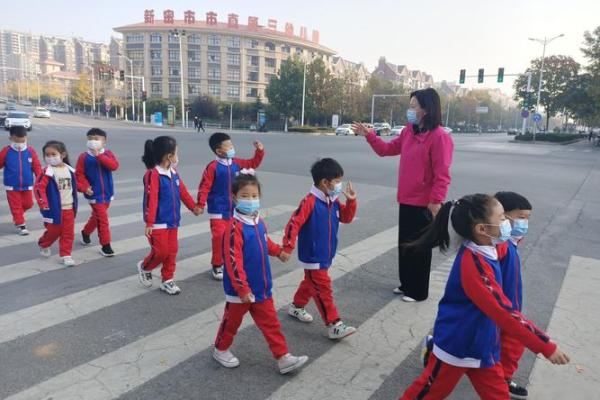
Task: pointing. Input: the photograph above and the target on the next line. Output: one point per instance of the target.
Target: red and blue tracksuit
(246, 249)
(21, 167)
(95, 172)
(512, 285)
(470, 316)
(59, 221)
(315, 225)
(164, 191)
(214, 194)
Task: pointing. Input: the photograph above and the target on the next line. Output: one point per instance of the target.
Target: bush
(303, 129)
(547, 137)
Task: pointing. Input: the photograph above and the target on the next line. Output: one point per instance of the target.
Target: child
(315, 224)
(94, 179)
(248, 281)
(473, 306)
(215, 190)
(518, 211)
(56, 194)
(163, 193)
(21, 164)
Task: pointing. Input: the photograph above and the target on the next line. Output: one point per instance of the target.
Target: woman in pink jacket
(425, 150)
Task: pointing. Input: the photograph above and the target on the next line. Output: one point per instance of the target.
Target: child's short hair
(513, 201)
(96, 132)
(326, 168)
(216, 139)
(18, 131)
(243, 180)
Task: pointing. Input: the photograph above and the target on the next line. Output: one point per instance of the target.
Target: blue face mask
(411, 116)
(336, 191)
(520, 227)
(505, 231)
(248, 207)
(230, 153)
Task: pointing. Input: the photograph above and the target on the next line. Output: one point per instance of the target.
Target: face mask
(520, 227)
(175, 163)
(411, 116)
(53, 161)
(230, 153)
(19, 146)
(248, 207)
(336, 191)
(505, 231)
(94, 144)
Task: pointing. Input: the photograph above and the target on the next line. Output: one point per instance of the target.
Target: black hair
(326, 168)
(155, 150)
(216, 139)
(429, 101)
(467, 212)
(96, 132)
(513, 201)
(58, 146)
(18, 131)
(243, 180)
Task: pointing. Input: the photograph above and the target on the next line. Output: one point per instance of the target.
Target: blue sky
(439, 37)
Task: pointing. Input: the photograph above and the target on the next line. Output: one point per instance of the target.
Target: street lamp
(132, 92)
(179, 34)
(545, 41)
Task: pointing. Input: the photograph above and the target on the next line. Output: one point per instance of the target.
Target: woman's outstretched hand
(360, 129)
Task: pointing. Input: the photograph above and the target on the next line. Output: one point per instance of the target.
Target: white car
(17, 118)
(344, 130)
(41, 113)
(449, 130)
(396, 130)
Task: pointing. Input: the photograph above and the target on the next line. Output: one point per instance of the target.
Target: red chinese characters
(315, 36)
(273, 24)
(303, 33)
(189, 17)
(149, 16)
(253, 23)
(289, 29)
(211, 18)
(168, 16)
(232, 21)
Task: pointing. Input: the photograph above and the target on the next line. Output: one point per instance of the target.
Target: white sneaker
(340, 330)
(225, 358)
(289, 363)
(170, 287)
(299, 313)
(398, 290)
(22, 230)
(145, 276)
(408, 299)
(217, 273)
(45, 252)
(68, 261)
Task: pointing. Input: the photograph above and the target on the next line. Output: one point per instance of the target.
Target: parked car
(344, 130)
(396, 130)
(513, 131)
(382, 128)
(26, 103)
(41, 113)
(3, 115)
(10, 107)
(17, 118)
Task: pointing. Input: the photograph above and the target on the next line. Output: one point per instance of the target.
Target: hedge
(547, 137)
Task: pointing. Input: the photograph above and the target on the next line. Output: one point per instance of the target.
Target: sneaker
(289, 363)
(407, 299)
(339, 330)
(68, 261)
(426, 349)
(225, 358)
(516, 391)
(45, 252)
(145, 276)
(217, 273)
(23, 230)
(107, 251)
(85, 239)
(170, 287)
(398, 290)
(299, 313)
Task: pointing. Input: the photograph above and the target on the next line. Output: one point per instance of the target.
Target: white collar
(101, 151)
(224, 161)
(50, 169)
(318, 193)
(516, 240)
(12, 145)
(165, 172)
(487, 251)
(247, 219)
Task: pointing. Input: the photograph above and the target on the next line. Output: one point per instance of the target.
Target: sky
(437, 36)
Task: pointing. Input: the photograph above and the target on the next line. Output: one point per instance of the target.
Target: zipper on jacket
(173, 198)
(329, 207)
(262, 255)
(229, 189)
(101, 180)
(20, 170)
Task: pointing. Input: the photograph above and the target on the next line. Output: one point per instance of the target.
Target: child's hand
(200, 210)
(197, 211)
(559, 357)
(360, 129)
(258, 145)
(148, 232)
(349, 192)
(89, 191)
(247, 298)
(284, 257)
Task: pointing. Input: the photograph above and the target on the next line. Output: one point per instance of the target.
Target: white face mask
(175, 162)
(19, 146)
(53, 161)
(94, 144)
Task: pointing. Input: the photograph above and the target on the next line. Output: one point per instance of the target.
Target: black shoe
(107, 251)
(516, 391)
(85, 239)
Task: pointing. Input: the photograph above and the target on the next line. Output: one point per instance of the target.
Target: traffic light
(480, 75)
(144, 95)
(500, 75)
(463, 76)
(122, 75)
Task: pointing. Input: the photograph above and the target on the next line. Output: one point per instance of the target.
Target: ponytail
(436, 235)
(148, 157)
(155, 150)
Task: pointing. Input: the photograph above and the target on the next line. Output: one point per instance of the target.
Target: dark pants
(413, 266)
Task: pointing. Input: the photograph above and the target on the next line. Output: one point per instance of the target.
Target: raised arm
(108, 160)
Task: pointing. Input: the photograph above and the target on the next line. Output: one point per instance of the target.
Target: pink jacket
(424, 171)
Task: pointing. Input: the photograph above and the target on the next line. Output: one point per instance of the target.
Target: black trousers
(413, 266)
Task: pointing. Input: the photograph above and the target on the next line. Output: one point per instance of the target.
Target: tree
(81, 92)
(321, 92)
(559, 74)
(205, 107)
(285, 90)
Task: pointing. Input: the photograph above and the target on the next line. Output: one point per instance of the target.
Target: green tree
(204, 107)
(285, 90)
(81, 92)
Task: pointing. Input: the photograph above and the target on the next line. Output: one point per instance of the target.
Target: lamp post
(179, 34)
(132, 92)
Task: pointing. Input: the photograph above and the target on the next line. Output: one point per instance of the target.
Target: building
(226, 60)
(19, 55)
(354, 73)
(400, 75)
(89, 53)
(60, 50)
(115, 50)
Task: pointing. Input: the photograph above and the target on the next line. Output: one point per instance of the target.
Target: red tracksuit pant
(317, 285)
(217, 230)
(265, 318)
(439, 379)
(99, 220)
(511, 352)
(164, 246)
(63, 232)
(19, 201)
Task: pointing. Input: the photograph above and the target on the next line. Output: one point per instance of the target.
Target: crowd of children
(479, 330)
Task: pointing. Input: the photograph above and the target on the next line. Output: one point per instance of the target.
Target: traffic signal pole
(528, 89)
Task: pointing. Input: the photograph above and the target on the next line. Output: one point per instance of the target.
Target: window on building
(155, 54)
(194, 39)
(233, 74)
(194, 88)
(155, 87)
(252, 44)
(253, 76)
(233, 41)
(173, 38)
(174, 88)
(214, 73)
(270, 62)
(174, 71)
(269, 46)
(173, 55)
(214, 40)
(253, 61)
(214, 57)
(298, 50)
(233, 91)
(286, 49)
(155, 38)
(252, 92)
(233, 59)
(194, 72)
(214, 89)
(156, 70)
(194, 55)
(136, 55)
(134, 38)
